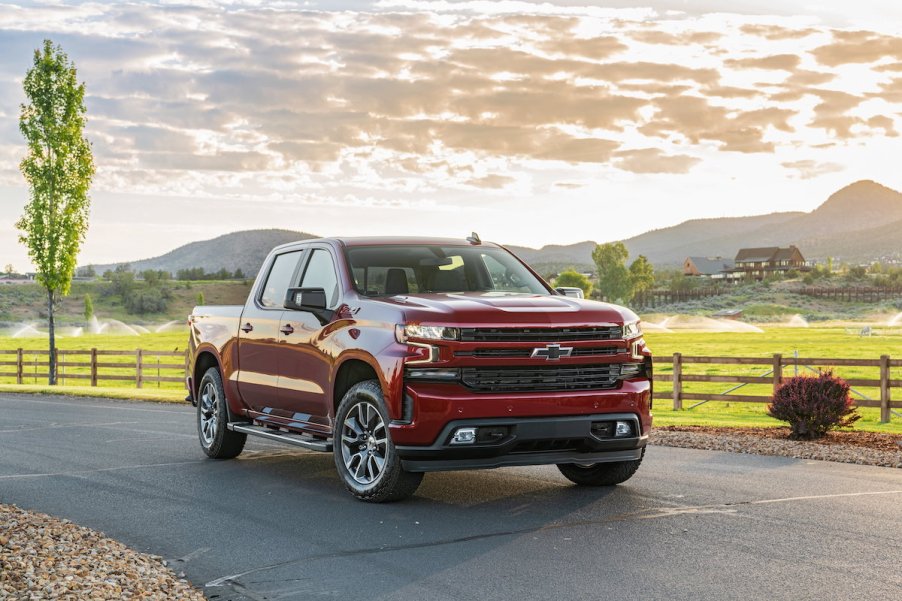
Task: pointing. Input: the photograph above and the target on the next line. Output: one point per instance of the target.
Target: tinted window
(278, 279)
(381, 270)
(320, 273)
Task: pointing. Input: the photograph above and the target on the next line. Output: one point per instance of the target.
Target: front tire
(600, 474)
(216, 439)
(365, 455)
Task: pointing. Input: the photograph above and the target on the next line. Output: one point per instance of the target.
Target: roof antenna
(473, 238)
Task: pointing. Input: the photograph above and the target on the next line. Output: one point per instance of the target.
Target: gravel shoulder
(862, 448)
(42, 557)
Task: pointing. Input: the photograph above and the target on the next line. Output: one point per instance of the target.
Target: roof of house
(767, 253)
(757, 254)
(711, 265)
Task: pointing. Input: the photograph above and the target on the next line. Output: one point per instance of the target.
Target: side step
(298, 440)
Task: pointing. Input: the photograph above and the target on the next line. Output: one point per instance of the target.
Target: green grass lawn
(826, 342)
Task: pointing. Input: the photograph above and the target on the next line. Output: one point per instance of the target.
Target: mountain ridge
(859, 222)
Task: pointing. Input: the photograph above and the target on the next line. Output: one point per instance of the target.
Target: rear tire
(216, 439)
(365, 455)
(600, 474)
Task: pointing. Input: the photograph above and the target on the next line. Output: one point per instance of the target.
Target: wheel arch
(352, 370)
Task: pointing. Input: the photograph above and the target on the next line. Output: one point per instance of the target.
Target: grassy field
(826, 342)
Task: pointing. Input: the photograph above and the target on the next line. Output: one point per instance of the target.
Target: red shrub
(813, 404)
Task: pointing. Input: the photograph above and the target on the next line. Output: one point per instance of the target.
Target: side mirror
(306, 299)
(568, 291)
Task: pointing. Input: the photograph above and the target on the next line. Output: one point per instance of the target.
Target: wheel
(364, 454)
(600, 474)
(216, 439)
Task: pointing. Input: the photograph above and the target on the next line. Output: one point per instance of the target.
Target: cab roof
(392, 241)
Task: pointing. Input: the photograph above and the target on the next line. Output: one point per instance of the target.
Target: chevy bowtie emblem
(552, 352)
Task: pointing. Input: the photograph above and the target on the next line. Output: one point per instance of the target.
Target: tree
(58, 168)
(642, 275)
(89, 307)
(200, 299)
(239, 275)
(574, 279)
(9, 269)
(613, 276)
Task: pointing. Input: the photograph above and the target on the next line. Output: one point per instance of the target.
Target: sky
(529, 122)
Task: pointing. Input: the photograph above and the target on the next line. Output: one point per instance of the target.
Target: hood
(493, 309)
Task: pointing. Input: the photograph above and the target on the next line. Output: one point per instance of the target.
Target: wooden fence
(774, 377)
(858, 294)
(654, 298)
(138, 367)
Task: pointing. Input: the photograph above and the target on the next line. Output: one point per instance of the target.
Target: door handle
(287, 329)
(246, 328)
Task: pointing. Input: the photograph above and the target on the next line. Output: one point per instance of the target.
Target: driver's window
(276, 287)
(502, 279)
(320, 273)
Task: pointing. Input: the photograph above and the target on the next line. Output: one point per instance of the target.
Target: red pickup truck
(402, 356)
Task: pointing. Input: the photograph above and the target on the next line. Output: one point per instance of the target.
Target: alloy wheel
(364, 443)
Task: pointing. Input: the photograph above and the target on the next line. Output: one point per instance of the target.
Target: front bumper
(527, 441)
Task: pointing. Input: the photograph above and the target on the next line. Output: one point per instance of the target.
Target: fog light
(623, 429)
(464, 436)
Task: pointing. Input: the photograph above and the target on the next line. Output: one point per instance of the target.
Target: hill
(244, 250)
(858, 223)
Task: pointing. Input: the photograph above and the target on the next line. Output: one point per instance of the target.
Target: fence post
(884, 388)
(677, 381)
(93, 367)
(139, 359)
(20, 367)
(778, 371)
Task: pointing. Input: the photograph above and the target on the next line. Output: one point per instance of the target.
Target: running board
(298, 440)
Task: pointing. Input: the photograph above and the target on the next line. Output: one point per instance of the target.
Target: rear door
(307, 353)
(258, 334)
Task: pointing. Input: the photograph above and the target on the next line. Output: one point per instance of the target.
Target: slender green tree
(574, 279)
(58, 168)
(613, 276)
(200, 299)
(642, 274)
(89, 307)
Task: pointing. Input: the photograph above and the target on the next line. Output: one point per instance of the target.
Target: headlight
(405, 332)
(631, 329)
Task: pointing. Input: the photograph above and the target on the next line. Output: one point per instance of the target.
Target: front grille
(516, 353)
(541, 379)
(540, 334)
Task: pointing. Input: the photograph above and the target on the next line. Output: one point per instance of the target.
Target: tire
(361, 439)
(600, 474)
(216, 439)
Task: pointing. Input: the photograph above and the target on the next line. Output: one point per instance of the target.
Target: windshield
(391, 270)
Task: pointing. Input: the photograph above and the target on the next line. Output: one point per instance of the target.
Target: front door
(306, 357)
(258, 336)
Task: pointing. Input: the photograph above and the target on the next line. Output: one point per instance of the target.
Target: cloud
(221, 96)
(851, 47)
(808, 169)
(653, 160)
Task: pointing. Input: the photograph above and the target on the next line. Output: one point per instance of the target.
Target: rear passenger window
(277, 281)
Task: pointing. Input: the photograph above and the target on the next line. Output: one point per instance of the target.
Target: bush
(813, 405)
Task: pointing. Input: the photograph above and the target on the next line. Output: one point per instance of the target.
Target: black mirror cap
(568, 291)
(305, 299)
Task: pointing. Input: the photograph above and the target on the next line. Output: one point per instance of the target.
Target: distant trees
(198, 273)
(615, 280)
(574, 279)
(151, 297)
(9, 269)
(58, 168)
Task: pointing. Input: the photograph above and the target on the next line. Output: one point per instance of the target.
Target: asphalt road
(277, 524)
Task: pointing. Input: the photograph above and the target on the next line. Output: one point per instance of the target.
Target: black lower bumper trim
(443, 465)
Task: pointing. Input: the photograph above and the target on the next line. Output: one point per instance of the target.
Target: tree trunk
(51, 363)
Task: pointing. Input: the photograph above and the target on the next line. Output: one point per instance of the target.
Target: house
(710, 267)
(758, 263)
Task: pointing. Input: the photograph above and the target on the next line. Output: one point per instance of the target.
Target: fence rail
(858, 294)
(774, 377)
(654, 298)
(139, 366)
